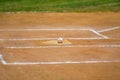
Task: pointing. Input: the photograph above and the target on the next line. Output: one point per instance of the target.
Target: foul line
(109, 29)
(60, 46)
(101, 35)
(65, 62)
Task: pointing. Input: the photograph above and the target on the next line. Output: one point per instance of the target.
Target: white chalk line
(101, 35)
(23, 39)
(51, 29)
(2, 60)
(66, 62)
(92, 30)
(60, 46)
(62, 62)
(109, 29)
(38, 29)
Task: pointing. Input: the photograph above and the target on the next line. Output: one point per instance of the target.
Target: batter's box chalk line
(101, 36)
(64, 62)
(63, 46)
(26, 39)
(52, 29)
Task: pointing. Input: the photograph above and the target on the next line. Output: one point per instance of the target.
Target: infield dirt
(85, 71)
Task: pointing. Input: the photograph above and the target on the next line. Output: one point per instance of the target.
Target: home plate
(55, 42)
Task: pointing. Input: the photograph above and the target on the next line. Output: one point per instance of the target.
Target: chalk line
(53, 29)
(23, 39)
(66, 62)
(101, 35)
(59, 46)
(109, 29)
(63, 62)
(2, 60)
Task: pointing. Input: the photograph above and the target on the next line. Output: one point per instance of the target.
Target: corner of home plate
(55, 42)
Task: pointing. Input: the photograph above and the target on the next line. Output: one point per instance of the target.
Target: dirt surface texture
(29, 48)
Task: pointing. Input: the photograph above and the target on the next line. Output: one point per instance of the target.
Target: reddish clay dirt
(61, 54)
(48, 34)
(74, 42)
(90, 71)
(112, 33)
(98, 20)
